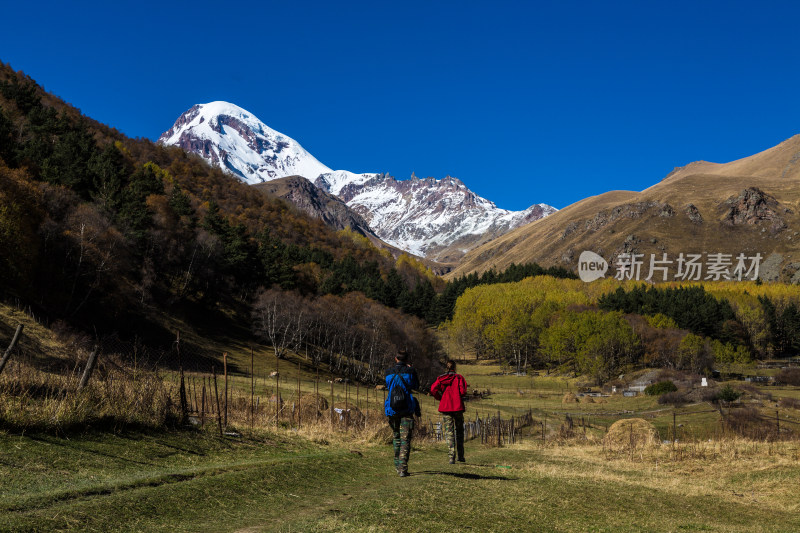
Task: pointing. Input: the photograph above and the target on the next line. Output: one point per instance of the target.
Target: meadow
(87, 463)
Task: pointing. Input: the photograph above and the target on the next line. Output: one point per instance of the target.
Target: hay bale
(630, 433)
(570, 398)
(312, 406)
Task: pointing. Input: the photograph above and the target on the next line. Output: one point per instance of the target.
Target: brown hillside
(745, 206)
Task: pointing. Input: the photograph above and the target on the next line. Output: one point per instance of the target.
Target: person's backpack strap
(398, 374)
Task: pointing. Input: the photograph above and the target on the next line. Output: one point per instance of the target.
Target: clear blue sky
(526, 102)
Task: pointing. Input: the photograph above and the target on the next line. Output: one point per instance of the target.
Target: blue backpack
(399, 399)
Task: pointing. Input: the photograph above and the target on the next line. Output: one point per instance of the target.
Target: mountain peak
(426, 216)
(232, 138)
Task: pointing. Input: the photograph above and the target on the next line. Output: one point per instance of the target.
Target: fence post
(183, 399)
(252, 389)
(631, 438)
(674, 428)
(216, 395)
(498, 429)
(544, 426)
(778, 423)
(298, 395)
(225, 370)
(203, 404)
(11, 347)
(88, 370)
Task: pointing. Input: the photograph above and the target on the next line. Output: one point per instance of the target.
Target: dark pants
(402, 426)
(454, 434)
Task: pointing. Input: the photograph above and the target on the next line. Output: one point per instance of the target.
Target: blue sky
(526, 102)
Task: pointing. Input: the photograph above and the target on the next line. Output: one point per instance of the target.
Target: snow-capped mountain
(438, 219)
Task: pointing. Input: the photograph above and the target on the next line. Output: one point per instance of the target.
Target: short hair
(451, 365)
(401, 356)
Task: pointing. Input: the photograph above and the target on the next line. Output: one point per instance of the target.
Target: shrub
(789, 403)
(708, 395)
(662, 387)
(747, 422)
(788, 376)
(728, 394)
(673, 398)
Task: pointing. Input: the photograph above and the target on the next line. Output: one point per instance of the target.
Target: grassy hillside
(657, 219)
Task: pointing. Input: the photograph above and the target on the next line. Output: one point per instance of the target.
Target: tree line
(352, 334)
(603, 329)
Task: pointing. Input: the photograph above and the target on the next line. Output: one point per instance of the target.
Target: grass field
(137, 474)
(194, 481)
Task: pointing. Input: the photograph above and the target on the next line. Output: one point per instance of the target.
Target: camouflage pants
(401, 439)
(454, 434)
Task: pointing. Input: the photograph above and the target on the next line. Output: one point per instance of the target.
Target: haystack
(570, 398)
(312, 406)
(630, 433)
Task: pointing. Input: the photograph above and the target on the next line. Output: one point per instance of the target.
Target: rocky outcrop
(632, 211)
(317, 203)
(694, 214)
(753, 207)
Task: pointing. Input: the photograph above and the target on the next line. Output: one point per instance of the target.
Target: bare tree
(278, 319)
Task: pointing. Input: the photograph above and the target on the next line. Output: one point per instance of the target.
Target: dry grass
(39, 385)
(731, 469)
(35, 400)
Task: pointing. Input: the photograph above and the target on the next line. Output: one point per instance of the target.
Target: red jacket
(448, 389)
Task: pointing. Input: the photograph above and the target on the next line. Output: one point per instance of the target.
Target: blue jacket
(401, 375)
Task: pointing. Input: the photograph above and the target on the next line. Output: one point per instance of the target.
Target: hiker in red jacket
(449, 388)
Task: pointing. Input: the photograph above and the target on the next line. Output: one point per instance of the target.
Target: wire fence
(206, 390)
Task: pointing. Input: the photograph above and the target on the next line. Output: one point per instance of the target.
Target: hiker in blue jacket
(400, 408)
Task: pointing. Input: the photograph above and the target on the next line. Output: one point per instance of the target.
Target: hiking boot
(452, 461)
(461, 460)
(403, 473)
